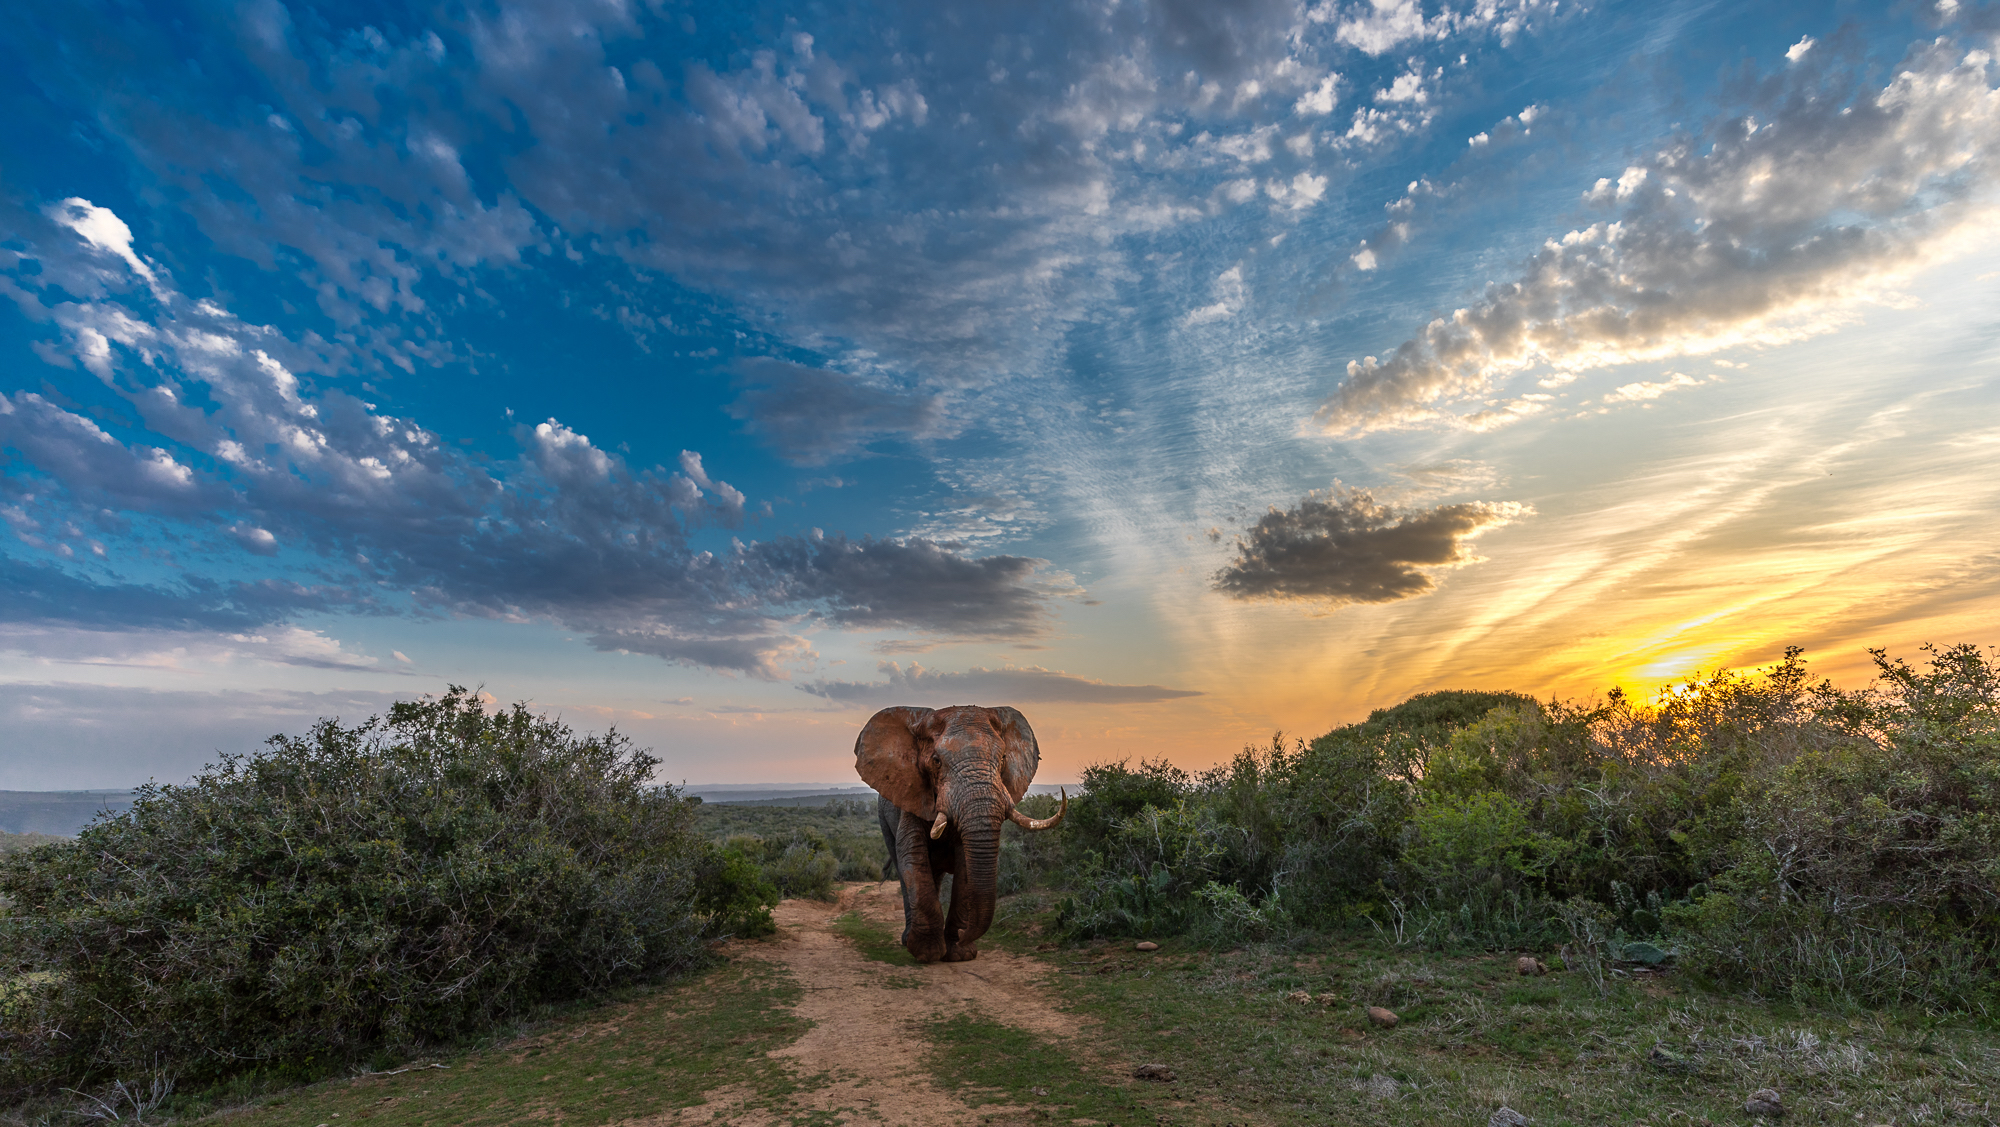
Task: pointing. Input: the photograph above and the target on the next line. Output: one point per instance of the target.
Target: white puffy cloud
(1769, 227)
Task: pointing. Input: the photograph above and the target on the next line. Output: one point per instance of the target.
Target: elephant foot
(963, 953)
(924, 948)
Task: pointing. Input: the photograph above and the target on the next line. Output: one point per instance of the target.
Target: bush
(1868, 866)
(1774, 833)
(733, 894)
(397, 883)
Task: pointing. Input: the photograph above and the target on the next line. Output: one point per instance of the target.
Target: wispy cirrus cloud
(1342, 547)
(1769, 227)
(1033, 683)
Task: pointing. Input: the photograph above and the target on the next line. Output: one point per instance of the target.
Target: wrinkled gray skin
(971, 763)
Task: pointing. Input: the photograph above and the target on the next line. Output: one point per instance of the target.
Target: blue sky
(1175, 372)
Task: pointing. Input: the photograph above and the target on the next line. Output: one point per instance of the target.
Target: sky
(1176, 372)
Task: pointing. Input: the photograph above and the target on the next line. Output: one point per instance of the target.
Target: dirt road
(863, 1059)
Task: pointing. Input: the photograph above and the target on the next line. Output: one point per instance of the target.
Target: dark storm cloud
(810, 416)
(918, 685)
(1341, 547)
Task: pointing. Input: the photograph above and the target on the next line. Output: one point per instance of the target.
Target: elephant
(947, 778)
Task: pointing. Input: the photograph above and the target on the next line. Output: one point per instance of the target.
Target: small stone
(1530, 965)
(1327, 999)
(1146, 945)
(1387, 1019)
(1767, 1102)
(1507, 1117)
(1299, 997)
(1159, 1073)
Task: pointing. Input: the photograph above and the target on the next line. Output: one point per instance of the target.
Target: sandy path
(863, 1058)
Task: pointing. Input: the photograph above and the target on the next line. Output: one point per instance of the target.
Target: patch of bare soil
(863, 1059)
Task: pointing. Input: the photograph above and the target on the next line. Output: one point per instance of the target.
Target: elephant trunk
(978, 823)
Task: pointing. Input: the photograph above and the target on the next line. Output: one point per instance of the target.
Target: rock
(1299, 998)
(1327, 999)
(1378, 1087)
(1158, 1073)
(1387, 1019)
(1530, 965)
(1765, 1102)
(1146, 945)
(1507, 1117)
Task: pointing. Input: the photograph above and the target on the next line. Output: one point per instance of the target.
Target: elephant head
(955, 774)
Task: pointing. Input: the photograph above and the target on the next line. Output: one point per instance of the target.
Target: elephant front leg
(957, 950)
(923, 919)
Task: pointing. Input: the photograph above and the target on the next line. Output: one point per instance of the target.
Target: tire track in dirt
(863, 1059)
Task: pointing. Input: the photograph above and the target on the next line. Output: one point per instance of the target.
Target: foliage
(1771, 832)
(793, 844)
(400, 882)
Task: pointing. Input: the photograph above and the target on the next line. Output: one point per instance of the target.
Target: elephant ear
(1019, 753)
(894, 755)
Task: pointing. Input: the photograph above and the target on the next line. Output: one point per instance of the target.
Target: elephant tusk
(1027, 823)
(937, 827)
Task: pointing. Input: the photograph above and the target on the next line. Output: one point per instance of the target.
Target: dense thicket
(404, 881)
(1770, 832)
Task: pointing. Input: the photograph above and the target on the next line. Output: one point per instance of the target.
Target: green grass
(873, 940)
(617, 1062)
(1474, 1035)
(985, 1063)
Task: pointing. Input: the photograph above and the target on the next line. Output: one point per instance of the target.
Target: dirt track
(863, 1058)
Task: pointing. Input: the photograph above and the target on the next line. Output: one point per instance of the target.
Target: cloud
(811, 416)
(47, 595)
(564, 531)
(1006, 685)
(113, 645)
(1341, 547)
(1646, 390)
(872, 584)
(1230, 293)
(1767, 228)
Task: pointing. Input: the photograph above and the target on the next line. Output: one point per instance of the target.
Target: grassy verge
(985, 1063)
(873, 940)
(1474, 1036)
(617, 1062)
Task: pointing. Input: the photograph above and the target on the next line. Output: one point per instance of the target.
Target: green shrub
(733, 894)
(397, 883)
(1159, 877)
(1869, 869)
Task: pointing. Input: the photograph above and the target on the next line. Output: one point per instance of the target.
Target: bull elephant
(948, 777)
